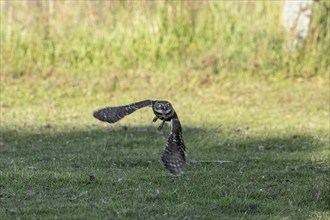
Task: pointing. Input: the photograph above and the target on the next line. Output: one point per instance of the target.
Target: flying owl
(173, 155)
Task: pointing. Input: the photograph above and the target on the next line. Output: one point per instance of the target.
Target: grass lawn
(57, 161)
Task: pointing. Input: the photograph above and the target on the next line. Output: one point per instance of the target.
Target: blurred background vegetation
(64, 57)
(169, 37)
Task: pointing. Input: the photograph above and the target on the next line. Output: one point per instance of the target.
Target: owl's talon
(161, 126)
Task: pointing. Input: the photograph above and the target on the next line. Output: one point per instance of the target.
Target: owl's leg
(155, 119)
(161, 126)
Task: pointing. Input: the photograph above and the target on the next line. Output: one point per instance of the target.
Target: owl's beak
(164, 112)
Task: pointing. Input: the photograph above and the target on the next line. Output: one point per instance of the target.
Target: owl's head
(163, 108)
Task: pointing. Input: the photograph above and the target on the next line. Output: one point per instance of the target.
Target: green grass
(276, 134)
(240, 95)
(47, 176)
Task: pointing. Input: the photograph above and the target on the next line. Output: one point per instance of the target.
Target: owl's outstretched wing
(114, 114)
(174, 153)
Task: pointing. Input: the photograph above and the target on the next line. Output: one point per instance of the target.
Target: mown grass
(241, 96)
(48, 176)
(275, 133)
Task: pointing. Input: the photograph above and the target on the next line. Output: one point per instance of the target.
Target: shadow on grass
(269, 176)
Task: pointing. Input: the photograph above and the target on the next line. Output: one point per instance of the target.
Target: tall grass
(223, 37)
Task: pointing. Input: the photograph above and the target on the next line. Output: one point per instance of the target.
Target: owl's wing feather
(173, 155)
(114, 114)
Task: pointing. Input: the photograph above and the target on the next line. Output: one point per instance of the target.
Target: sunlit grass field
(241, 96)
